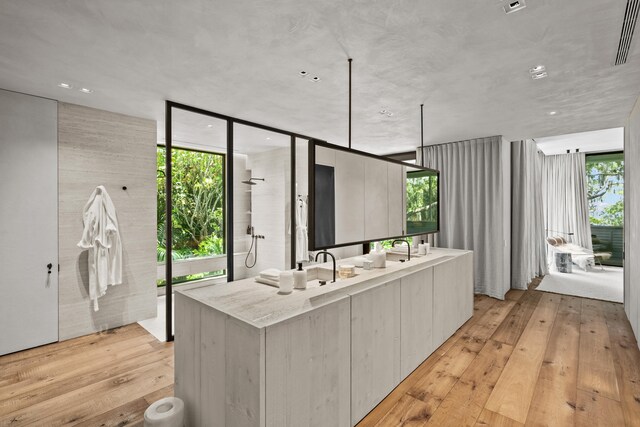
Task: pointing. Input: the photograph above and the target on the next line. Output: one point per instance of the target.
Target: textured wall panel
(102, 148)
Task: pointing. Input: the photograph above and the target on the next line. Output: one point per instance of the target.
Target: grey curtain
(528, 245)
(472, 207)
(564, 187)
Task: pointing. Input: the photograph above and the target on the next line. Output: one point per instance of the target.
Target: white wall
(102, 148)
(241, 218)
(270, 207)
(632, 219)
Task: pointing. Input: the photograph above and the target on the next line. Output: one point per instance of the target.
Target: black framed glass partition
(217, 170)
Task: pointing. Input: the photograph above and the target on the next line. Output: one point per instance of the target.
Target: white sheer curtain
(528, 244)
(472, 206)
(564, 187)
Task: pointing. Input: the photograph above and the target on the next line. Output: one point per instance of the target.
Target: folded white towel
(270, 273)
(268, 282)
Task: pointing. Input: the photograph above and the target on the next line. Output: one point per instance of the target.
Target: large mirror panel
(356, 197)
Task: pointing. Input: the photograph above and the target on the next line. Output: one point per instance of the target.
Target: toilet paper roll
(167, 412)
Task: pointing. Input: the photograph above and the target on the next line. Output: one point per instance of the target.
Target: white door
(28, 221)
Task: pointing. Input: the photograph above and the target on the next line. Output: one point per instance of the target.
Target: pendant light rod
(350, 61)
(422, 135)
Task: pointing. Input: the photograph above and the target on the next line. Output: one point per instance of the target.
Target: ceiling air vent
(628, 26)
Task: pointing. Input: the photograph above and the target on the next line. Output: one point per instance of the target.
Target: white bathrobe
(302, 239)
(102, 237)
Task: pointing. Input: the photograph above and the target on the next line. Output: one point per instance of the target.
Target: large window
(605, 179)
(198, 213)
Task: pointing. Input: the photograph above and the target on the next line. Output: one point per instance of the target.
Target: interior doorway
(588, 263)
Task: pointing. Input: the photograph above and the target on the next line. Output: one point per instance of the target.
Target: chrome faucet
(408, 247)
(334, 262)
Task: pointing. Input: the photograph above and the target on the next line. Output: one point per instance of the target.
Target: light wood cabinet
(246, 356)
(375, 346)
(416, 319)
(308, 367)
(452, 296)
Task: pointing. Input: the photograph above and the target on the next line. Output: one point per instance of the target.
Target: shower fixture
(250, 181)
(253, 248)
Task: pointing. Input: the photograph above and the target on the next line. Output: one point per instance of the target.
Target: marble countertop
(262, 305)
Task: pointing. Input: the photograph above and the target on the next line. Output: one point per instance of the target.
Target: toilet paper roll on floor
(167, 412)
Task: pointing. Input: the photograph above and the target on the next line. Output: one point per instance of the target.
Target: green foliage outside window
(198, 204)
(605, 178)
(422, 202)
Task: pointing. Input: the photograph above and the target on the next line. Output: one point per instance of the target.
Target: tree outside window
(605, 180)
(198, 208)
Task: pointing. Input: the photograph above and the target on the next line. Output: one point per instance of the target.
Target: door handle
(49, 267)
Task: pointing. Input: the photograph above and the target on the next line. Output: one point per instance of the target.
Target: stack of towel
(270, 276)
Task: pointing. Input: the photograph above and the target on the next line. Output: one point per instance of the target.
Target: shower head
(250, 181)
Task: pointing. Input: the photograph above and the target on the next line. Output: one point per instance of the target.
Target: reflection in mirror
(357, 197)
(422, 201)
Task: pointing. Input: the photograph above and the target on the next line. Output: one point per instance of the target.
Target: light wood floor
(535, 359)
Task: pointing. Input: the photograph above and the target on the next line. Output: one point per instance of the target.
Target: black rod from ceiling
(350, 61)
(168, 226)
(421, 134)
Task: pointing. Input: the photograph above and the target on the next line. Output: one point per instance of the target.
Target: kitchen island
(246, 355)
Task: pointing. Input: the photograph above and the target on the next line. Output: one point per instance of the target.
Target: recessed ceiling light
(514, 6)
(85, 90)
(315, 79)
(537, 69)
(268, 138)
(209, 126)
(303, 73)
(553, 113)
(539, 76)
(65, 85)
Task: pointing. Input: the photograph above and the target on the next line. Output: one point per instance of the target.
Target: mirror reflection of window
(422, 201)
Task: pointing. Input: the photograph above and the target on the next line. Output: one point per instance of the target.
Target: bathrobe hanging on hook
(101, 237)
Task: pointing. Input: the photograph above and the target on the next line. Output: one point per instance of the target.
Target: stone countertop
(261, 305)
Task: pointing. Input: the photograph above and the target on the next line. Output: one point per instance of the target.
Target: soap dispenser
(422, 248)
(300, 278)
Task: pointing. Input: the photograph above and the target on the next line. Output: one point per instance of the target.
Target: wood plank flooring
(551, 360)
(535, 359)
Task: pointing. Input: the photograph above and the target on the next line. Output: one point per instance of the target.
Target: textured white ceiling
(467, 61)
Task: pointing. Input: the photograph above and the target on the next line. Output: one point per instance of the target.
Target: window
(605, 182)
(198, 212)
